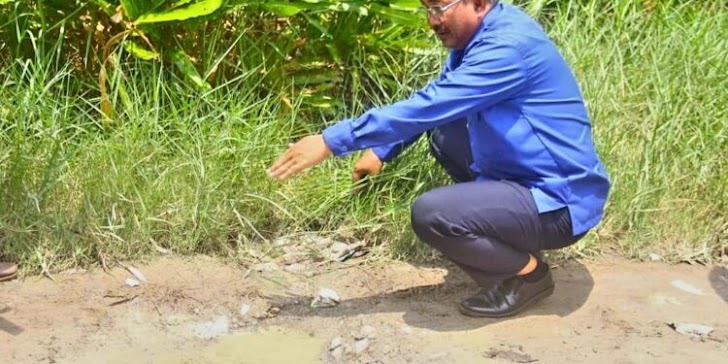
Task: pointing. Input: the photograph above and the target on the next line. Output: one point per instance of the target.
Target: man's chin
(447, 43)
(450, 45)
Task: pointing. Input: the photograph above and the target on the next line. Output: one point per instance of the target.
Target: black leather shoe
(507, 298)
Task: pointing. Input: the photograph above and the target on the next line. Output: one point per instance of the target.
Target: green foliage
(316, 40)
(186, 167)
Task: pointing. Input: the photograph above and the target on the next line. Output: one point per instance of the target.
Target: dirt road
(201, 311)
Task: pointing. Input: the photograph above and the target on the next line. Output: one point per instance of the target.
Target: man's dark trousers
(487, 228)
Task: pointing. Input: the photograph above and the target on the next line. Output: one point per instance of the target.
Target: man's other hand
(299, 156)
(368, 164)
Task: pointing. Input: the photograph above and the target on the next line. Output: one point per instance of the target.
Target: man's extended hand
(299, 156)
(368, 164)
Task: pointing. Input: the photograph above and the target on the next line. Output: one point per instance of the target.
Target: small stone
(338, 353)
(336, 342)
(691, 329)
(361, 345)
(655, 257)
(323, 242)
(339, 247)
(244, 309)
(687, 287)
(131, 282)
(366, 332)
(326, 298)
(137, 273)
(295, 268)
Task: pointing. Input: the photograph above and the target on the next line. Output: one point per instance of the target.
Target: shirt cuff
(339, 138)
(382, 153)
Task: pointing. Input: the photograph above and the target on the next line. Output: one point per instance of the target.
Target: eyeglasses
(439, 10)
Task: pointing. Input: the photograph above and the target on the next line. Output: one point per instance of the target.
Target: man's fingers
(284, 169)
(298, 156)
(286, 157)
(282, 165)
(292, 170)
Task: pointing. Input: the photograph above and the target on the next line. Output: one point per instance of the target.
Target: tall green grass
(657, 91)
(185, 169)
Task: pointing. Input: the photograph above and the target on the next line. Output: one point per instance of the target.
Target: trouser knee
(426, 219)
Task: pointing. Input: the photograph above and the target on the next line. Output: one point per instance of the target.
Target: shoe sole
(8, 277)
(516, 311)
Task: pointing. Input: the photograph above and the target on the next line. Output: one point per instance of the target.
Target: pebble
(336, 342)
(361, 345)
(326, 298)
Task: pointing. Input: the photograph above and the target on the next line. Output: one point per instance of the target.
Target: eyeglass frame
(439, 10)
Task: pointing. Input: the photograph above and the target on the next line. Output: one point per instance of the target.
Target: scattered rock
(509, 355)
(687, 287)
(270, 312)
(295, 268)
(131, 282)
(326, 298)
(212, 329)
(159, 248)
(336, 342)
(338, 353)
(341, 251)
(322, 242)
(361, 346)
(695, 330)
(366, 332)
(291, 258)
(244, 309)
(336, 349)
(136, 273)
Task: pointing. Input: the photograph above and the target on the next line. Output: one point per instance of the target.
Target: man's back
(540, 136)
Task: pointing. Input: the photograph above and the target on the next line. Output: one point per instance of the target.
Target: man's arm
(387, 153)
(490, 73)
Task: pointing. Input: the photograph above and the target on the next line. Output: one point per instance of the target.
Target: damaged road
(200, 310)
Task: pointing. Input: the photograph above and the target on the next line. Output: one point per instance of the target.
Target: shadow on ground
(8, 326)
(719, 281)
(435, 307)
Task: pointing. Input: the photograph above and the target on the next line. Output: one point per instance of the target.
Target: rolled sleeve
(339, 138)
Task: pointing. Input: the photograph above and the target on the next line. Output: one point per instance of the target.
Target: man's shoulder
(516, 32)
(512, 24)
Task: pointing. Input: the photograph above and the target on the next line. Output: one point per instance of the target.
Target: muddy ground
(199, 310)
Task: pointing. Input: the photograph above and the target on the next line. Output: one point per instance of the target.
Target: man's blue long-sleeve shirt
(526, 117)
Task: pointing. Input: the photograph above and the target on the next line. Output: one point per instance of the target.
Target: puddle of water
(268, 347)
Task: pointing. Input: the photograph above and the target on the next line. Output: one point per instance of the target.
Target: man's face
(456, 21)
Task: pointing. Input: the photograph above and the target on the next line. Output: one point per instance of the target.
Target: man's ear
(481, 6)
